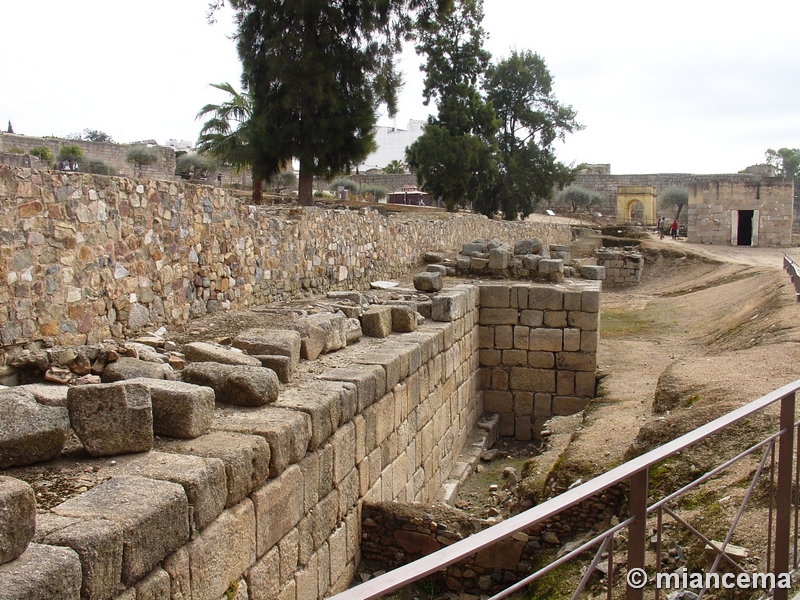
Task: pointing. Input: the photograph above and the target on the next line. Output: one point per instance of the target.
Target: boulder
(377, 321)
(282, 365)
(29, 432)
(494, 244)
(112, 418)
(530, 246)
(42, 573)
(260, 341)
(233, 384)
(434, 257)
(404, 319)
(499, 258)
(205, 352)
(17, 518)
(437, 269)
(428, 282)
(132, 368)
(354, 331)
(474, 246)
(333, 325)
(531, 262)
(180, 410)
(49, 395)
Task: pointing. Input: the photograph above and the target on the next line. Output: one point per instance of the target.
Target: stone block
(260, 341)
(354, 332)
(286, 431)
(576, 361)
(47, 394)
(332, 325)
(498, 402)
(504, 337)
(495, 296)
(532, 380)
(478, 264)
(490, 358)
(112, 418)
(264, 577)
(521, 335)
(177, 567)
(585, 384)
(541, 360)
(474, 246)
(572, 340)
(530, 262)
(515, 358)
(428, 282)
(545, 340)
(572, 299)
(545, 297)
(203, 480)
(530, 246)
(245, 458)
(29, 432)
(180, 410)
(130, 368)
(531, 318)
(156, 586)
(377, 321)
(278, 508)
(594, 272)
(590, 301)
(322, 406)
(282, 365)
(205, 352)
(499, 259)
(223, 552)
(348, 397)
(441, 269)
(404, 319)
(238, 385)
(551, 265)
(42, 573)
(153, 516)
(447, 307)
(555, 318)
(589, 341)
(583, 320)
(370, 381)
(17, 517)
(498, 316)
(391, 362)
(485, 337)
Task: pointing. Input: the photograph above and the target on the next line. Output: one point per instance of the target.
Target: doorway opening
(744, 233)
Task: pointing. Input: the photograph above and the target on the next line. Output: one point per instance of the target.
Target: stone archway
(628, 196)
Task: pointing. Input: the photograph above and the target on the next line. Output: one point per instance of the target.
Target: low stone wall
(396, 535)
(87, 257)
(623, 268)
(267, 504)
(538, 352)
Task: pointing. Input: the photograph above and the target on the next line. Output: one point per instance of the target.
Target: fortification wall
(88, 257)
(111, 154)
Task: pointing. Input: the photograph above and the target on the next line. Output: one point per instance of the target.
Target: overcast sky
(701, 86)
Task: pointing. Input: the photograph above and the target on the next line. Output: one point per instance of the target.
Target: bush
(16, 150)
(194, 165)
(70, 152)
(377, 192)
(141, 156)
(348, 184)
(96, 166)
(283, 180)
(42, 153)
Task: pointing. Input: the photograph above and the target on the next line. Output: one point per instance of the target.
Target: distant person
(674, 229)
(661, 227)
(219, 178)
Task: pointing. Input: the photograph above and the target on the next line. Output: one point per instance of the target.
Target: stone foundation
(623, 268)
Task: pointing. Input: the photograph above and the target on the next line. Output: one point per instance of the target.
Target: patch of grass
(622, 323)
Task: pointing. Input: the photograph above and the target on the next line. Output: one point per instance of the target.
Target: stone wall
(268, 503)
(623, 268)
(538, 352)
(607, 185)
(714, 202)
(111, 154)
(88, 257)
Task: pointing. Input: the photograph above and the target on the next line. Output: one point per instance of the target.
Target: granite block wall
(623, 268)
(538, 352)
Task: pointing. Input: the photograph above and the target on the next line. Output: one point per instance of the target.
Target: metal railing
(776, 462)
(793, 269)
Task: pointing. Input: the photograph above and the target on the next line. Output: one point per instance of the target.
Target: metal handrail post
(783, 512)
(637, 531)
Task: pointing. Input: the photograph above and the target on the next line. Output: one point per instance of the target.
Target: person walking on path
(661, 227)
(674, 229)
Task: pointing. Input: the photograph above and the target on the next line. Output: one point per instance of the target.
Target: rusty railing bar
(557, 563)
(796, 492)
(610, 567)
(444, 557)
(703, 538)
(659, 525)
(637, 532)
(711, 473)
(771, 517)
(784, 508)
(590, 569)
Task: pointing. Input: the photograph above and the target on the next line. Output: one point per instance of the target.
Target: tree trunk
(258, 191)
(305, 186)
(678, 214)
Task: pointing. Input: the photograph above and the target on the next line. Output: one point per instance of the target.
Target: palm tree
(395, 166)
(225, 135)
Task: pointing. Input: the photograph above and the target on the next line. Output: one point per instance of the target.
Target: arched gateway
(628, 196)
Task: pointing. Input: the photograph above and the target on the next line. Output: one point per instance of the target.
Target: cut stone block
(29, 432)
(153, 516)
(446, 307)
(282, 365)
(531, 262)
(279, 508)
(550, 265)
(499, 259)
(354, 332)
(370, 381)
(434, 257)
(531, 246)
(238, 385)
(204, 352)
(322, 406)
(112, 418)
(98, 543)
(404, 319)
(202, 479)
(287, 432)
(17, 517)
(180, 410)
(474, 246)
(354, 297)
(593, 272)
(245, 457)
(441, 269)
(42, 573)
(333, 326)
(131, 368)
(261, 341)
(478, 264)
(428, 282)
(156, 586)
(47, 394)
(377, 321)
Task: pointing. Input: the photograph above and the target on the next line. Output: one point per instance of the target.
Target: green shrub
(348, 184)
(70, 152)
(375, 191)
(96, 166)
(16, 150)
(42, 153)
(141, 156)
(194, 165)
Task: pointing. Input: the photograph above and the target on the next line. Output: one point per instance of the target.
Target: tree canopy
(674, 197)
(317, 73)
(141, 156)
(787, 163)
(95, 135)
(453, 157)
(520, 89)
(576, 197)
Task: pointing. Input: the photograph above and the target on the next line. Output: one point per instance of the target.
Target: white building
(392, 143)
